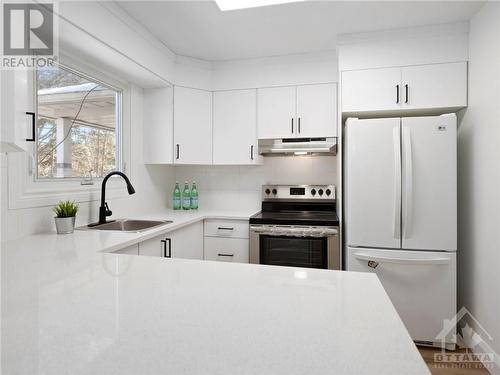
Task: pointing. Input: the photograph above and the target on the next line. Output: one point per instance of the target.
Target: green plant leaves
(66, 209)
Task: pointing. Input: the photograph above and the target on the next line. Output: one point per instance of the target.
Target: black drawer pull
(225, 255)
(33, 127)
(225, 228)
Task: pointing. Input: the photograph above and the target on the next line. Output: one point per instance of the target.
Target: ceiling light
(243, 4)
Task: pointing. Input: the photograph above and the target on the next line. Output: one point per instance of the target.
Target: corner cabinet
(306, 111)
(185, 242)
(192, 126)
(18, 118)
(235, 127)
(413, 88)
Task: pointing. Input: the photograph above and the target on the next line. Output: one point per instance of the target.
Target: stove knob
(275, 191)
(268, 191)
(328, 191)
(313, 191)
(320, 191)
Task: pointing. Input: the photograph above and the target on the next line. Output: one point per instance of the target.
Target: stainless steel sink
(128, 225)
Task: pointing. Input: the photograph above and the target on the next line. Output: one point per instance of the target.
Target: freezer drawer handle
(410, 261)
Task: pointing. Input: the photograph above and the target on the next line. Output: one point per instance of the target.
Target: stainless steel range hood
(298, 146)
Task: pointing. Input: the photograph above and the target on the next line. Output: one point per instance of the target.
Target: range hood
(298, 146)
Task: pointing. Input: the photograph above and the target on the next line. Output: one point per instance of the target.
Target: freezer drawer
(420, 284)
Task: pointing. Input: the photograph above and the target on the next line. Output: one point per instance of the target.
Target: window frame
(118, 129)
(26, 191)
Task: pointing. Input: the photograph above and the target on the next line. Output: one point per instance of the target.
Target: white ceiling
(199, 29)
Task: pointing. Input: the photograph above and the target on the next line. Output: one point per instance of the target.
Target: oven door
(311, 247)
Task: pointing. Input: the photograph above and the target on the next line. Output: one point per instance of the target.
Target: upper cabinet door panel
(276, 112)
(434, 86)
(192, 126)
(158, 126)
(371, 90)
(235, 127)
(317, 110)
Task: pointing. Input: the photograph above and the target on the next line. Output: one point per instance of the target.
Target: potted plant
(65, 216)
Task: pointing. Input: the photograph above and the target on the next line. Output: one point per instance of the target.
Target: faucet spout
(104, 210)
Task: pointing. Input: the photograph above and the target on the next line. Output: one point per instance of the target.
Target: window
(79, 125)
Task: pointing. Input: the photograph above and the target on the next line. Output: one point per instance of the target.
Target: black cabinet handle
(225, 255)
(299, 125)
(292, 125)
(397, 94)
(178, 151)
(406, 91)
(251, 152)
(33, 127)
(169, 240)
(225, 228)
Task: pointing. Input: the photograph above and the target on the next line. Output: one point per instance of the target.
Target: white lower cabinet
(227, 240)
(186, 242)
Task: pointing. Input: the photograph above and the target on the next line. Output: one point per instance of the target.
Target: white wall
(401, 47)
(479, 177)
(239, 187)
(319, 67)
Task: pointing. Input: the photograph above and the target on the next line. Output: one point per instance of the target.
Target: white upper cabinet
(434, 86)
(192, 126)
(235, 127)
(298, 111)
(17, 115)
(420, 87)
(276, 112)
(317, 110)
(158, 129)
(371, 90)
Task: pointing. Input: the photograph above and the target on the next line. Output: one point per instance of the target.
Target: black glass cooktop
(296, 214)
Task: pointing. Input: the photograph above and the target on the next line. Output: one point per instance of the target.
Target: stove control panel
(309, 192)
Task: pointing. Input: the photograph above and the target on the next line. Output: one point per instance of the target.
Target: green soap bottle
(194, 196)
(186, 197)
(177, 197)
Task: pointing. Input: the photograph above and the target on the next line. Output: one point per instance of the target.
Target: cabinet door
(192, 126)
(276, 113)
(158, 130)
(154, 247)
(187, 242)
(226, 249)
(317, 110)
(17, 133)
(434, 86)
(371, 90)
(235, 127)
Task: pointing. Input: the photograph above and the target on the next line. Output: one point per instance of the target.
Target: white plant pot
(65, 225)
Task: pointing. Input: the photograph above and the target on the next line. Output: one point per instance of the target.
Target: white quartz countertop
(68, 307)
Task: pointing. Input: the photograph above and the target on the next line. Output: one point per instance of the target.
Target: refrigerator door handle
(408, 168)
(397, 181)
(399, 260)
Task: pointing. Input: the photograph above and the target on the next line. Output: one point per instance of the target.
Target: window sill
(25, 193)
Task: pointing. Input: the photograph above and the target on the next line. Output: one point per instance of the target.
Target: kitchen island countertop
(69, 307)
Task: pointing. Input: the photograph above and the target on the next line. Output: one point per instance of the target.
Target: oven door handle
(294, 232)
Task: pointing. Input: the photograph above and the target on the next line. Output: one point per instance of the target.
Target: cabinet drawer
(226, 249)
(226, 228)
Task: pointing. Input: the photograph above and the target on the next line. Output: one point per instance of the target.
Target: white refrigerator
(401, 214)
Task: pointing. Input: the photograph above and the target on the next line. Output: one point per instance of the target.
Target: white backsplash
(239, 187)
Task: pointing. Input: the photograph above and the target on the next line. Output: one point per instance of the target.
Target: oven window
(294, 251)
